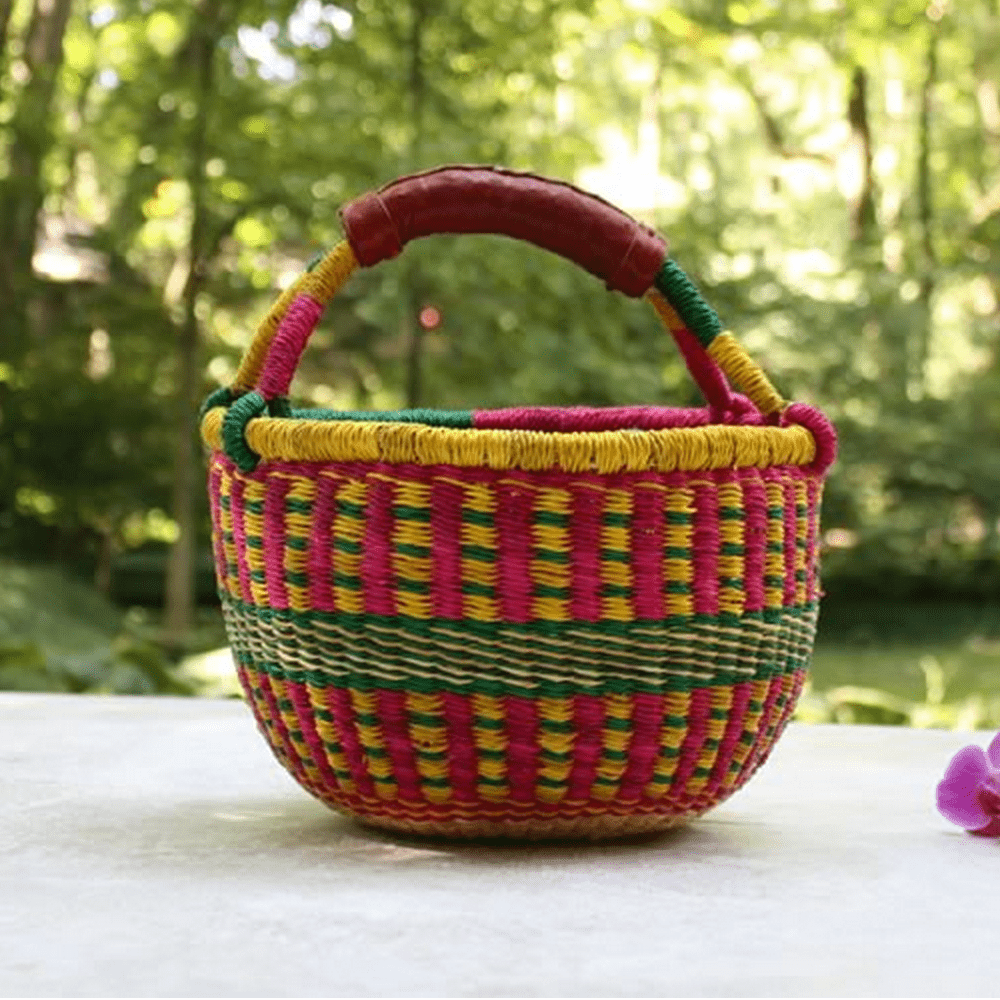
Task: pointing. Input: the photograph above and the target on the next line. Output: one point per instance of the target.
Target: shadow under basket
(535, 622)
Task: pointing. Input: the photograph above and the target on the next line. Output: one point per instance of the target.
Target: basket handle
(470, 199)
(585, 229)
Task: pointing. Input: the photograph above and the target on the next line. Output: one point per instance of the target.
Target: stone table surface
(153, 847)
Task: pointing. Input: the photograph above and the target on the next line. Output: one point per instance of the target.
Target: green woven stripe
(461, 419)
(551, 518)
(405, 513)
(678, 289)
(369, 652)
(479, 553)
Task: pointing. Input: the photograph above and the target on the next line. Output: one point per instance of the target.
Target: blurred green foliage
(828, 170)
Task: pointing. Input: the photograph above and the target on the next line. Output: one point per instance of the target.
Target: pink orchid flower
(969, 794)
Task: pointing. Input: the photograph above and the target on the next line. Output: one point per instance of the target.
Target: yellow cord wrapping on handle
(743, 371)
(320, 284)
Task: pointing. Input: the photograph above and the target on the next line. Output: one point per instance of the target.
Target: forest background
(827, 170)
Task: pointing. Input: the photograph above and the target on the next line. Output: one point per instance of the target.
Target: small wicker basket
(534, 622)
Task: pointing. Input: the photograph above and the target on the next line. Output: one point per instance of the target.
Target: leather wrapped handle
(553, 215)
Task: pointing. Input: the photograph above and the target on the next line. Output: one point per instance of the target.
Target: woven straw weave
(526, 623)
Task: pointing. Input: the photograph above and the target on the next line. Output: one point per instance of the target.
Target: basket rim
(677, 449)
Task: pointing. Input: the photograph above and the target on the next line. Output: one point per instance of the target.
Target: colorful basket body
(528, 623)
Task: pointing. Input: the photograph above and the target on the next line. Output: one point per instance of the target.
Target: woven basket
(529, 622)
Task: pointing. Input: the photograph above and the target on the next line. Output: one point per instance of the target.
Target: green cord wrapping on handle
(679, 290)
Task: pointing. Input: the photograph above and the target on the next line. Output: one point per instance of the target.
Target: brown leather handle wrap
(469, 199)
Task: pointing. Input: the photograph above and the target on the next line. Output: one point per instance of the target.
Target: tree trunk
(920, 340)
(863, 214)
(412, 329)
(22, 192)
(181, 566)
(6, 6)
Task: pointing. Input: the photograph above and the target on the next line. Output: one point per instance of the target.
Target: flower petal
(956, 794)
(993, 751)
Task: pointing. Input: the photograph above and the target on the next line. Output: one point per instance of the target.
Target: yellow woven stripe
(490, 737)
(409, 567)
(294, 729)
(370, 736)
(615, 741)
(751, 721)
(253, 525)
(331, 739)
(676, 705)
(801, 536)
(349, 527)
(774, 562)
(557, 767)
(743, 371)
(552, 538)
(732, 597)
(722, 702)
(325, 279)
(677, 569)
(232, 580)
(718, 446)
(617, 538)
(297, 526)
(430, 743)
(480, 499)
(331, 273)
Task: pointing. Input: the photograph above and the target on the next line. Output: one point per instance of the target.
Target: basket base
(576, 828)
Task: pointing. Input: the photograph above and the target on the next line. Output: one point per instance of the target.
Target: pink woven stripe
(587, 418)
(647, 716)
(788, 489)
(338, 703)
(588, 720)
(394, 719)
(320, 559)
(513, 522)
(446, 549)
(462, 769)
(522, 747)
(699, 711)
(236, 503)
(814, 487)
(377, 577)
(705, 546)
(705, 372)
(754, 540)
(286, 348)
(585, 554)
(274, 541)
(298, 694)
(647, 550)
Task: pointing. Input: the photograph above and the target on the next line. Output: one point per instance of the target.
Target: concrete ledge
(152, 847)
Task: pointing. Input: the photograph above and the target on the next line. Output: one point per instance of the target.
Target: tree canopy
(827, 170)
